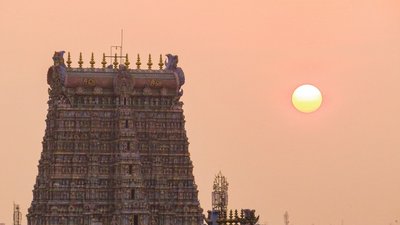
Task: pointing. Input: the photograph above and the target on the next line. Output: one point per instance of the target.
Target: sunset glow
(242, 62)
(307, 98)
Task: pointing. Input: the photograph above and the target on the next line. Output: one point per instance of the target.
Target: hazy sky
(242, 60)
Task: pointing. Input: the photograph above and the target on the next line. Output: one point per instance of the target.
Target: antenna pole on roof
(120, 51)
(116, 49)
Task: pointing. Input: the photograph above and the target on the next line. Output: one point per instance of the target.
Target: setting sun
(307, 98)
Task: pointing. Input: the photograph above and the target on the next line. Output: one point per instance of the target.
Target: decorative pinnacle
(220, 193)
(92, 62)
(127, 63)
(115, 63)
(149, 63)
(138, 63)
(104, 62)
(80, 62)
(69, 60)
(161, 64)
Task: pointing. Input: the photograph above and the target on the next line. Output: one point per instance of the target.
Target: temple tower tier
(115, 150)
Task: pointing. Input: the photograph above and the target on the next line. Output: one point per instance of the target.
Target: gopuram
(115, 150)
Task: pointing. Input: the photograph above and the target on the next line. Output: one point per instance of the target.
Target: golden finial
(80, 62)
(149, 63)
(230, 215)
(241, 214)
(92, 62)
(115, 63)
(127, 63)
(138, 63)
(104, 62)
(69, 60)
(236, 220)
(161, 64)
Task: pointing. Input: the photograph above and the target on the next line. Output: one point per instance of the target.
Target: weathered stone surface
(115, 151)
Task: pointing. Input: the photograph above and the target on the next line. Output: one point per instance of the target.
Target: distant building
(115, 150)
(17, 215)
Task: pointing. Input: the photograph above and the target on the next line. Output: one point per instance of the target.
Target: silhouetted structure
(17, 215)
(219, 214)
(286, 218)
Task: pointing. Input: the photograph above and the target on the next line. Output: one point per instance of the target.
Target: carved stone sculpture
(172, 64)
(112, 152)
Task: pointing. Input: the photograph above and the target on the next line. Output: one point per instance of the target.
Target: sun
(307, 98)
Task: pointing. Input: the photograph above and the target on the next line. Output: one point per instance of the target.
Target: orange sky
(242, 60)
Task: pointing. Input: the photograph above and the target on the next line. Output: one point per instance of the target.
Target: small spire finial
(161, 64)
(69, 60)
(220, 193)
(80, 62)
(115, 63)
(127, 63)
(104, 62)
(236, 218)
(149, 63)
(138, 63)
(92, 62)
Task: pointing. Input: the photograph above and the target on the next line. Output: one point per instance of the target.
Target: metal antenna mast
(117, 47)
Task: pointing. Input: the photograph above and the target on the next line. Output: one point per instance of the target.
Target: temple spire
(150, 63)
(80, 62)
(220, 193)
(69, 60)
(104, 62)
(92, 62)
(115, 63)
(138, 63)
(127, 63)
(161, 64)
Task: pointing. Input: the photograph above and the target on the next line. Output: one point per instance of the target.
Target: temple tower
(115, 149)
